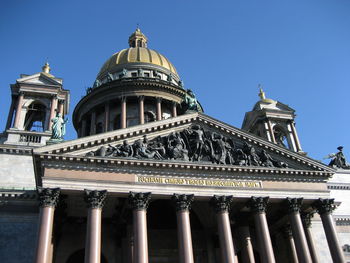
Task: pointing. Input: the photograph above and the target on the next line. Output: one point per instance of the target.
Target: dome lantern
(138, 39)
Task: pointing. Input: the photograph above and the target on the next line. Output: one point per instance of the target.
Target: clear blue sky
(298, 50)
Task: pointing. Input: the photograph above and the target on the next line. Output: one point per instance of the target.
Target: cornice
(12, 150)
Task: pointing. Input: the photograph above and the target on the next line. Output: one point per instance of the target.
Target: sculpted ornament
(94, 198)
(294, 204)
(139, 200)
(324, 206)
(221, 203)
(193, 144)
(338, 159)
(183, 202)
(258, 204)
(48, 196)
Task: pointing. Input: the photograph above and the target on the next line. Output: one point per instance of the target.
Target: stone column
(174, 111)
(93, 123)
(123, 112)
(306, 219)
(48, 199)
(52, 110)
(183, 205)
(10, 116)
(258, 207)
(159, 109)
(222, 205)
(247, 247)
(287, 234)
(324, 208)
(295, 135)
(271, 131)
(141, 109)
(19, 109)
(83, 127)
(60, 107)
(139, 203)
(294, 205)
(106, 120)
(95, 201)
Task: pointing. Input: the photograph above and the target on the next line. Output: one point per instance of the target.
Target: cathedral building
(152, 178)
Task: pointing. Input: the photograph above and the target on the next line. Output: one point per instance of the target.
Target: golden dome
(137, 53)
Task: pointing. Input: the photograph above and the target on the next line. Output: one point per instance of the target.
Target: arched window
(280, 137)
(35, 117)
(99, 128)
(149, 116)
(78, 257)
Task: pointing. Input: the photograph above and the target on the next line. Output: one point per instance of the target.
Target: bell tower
(273, 121)
(35, 101)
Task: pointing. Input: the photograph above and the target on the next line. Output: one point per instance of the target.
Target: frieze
(193, 144)
(199, 182)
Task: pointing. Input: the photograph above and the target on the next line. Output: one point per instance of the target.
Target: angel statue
(338, 159)
(58, 127)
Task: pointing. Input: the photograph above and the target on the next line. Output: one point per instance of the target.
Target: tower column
(18, 109)
(246, 244)
(271, 131)
(324, 208)
(287, 233)
(159, 109)
(222, 205)
(95, 201)
(183, 204)
(10, 116)
(141, 109)
(294, 205)
(139, 203)
(93, 123)
(48, 199)
(60, 107)
(174, 109)
(295, 135)
(123, 113)
(106, 120)
(306, 219)
(258, 206)
(52, 110)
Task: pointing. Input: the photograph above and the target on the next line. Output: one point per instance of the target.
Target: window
(35, 117)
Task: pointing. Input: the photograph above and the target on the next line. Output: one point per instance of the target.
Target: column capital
(258, 204)
(139, 200)
(95, 198)
(324, 206)
(123, 98)
(182, 201)
(159, 99)
(21, 93)
(306, 219)
(287, 231)
(294, 204)
(48, 196)
(221, 203)
(141, 97)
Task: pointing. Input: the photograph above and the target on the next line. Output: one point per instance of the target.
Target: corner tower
(35, 101)
(273, 121)
(134, 86)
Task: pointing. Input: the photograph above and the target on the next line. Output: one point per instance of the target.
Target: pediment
(41, 78)
(189, 139)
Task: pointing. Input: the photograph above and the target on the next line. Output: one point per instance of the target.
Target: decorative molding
(258, 204)
(183, 202)
(139, 200)
(221, 203)
(94, 198)
(324, 206)
(294, 204)
(48, 197)
(306, 218)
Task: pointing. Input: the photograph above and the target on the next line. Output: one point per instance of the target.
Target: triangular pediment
(41, 79)
(193, 138)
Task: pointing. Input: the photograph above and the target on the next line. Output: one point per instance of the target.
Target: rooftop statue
(190, 102)
(338, 159)
(58, 128)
